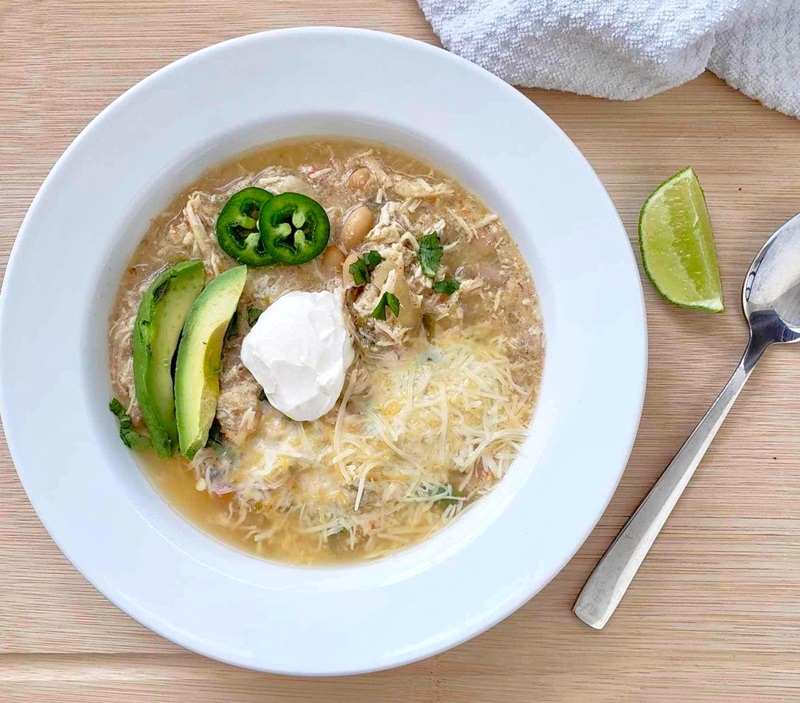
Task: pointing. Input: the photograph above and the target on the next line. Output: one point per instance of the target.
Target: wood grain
(714, 614)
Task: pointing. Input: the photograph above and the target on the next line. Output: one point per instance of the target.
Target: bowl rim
(130, 96)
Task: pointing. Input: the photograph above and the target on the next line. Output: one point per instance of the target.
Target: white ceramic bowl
(88, 217)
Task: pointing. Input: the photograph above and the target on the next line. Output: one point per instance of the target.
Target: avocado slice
(162, 314)
(199, 353)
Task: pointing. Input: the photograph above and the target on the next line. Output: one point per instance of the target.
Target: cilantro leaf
(361, 269)
(387, 299)
(359, 272)
(372, 258)
(442, 494)
(130, 437)
(447, 286)
(430, 254)
(252, 315)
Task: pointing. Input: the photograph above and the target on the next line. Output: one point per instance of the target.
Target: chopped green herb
(447, 286)
(361, 270)
(262, 395)
(387, 299)
(444, 495)
(430, 254)
(252, 315)
(130, 437)
(372, 258)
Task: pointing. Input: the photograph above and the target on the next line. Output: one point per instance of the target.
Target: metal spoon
(771, 304)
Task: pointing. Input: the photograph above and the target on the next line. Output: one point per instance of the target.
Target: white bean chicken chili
(448, 343)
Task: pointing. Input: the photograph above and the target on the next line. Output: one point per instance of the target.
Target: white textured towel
(629, 49)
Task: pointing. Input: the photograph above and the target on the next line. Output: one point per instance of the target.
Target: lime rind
(685, 273)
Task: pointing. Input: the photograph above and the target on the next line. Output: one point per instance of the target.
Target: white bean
(359, 178)
(332, 259)
(356, 227)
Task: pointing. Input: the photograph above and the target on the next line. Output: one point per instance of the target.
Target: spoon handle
(613, 574)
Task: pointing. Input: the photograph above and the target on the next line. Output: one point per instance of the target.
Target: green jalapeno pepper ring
(294, 228)
(237, 227)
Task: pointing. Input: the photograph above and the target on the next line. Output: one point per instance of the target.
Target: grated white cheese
(445, 425)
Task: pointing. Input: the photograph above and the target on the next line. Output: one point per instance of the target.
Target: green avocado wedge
(156, 331)
(199, 354)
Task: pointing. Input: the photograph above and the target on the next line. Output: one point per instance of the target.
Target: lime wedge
(678, 246)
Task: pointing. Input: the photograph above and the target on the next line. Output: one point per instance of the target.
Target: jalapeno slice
(294, 228)
(237, 227)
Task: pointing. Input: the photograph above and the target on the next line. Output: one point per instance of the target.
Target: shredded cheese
(395, 461)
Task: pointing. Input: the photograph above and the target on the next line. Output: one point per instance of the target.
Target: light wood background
(715, 612)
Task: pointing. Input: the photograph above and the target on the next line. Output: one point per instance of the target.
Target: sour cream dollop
(299, 351)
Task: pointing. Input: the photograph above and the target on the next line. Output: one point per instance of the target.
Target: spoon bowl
(771, 291)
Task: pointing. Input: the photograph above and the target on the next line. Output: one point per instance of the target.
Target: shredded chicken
(201, 214)
(285, 183)
(420, 188)
(238, 405)
(121, 344)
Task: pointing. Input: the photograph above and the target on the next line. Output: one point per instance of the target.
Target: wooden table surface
(714, 613)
